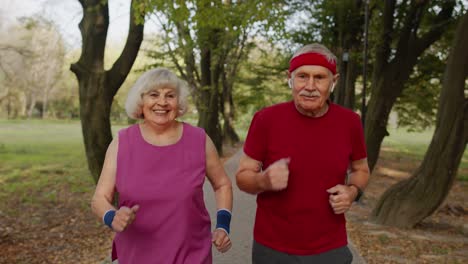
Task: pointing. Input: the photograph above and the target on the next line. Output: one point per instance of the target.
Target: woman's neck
(161, 135)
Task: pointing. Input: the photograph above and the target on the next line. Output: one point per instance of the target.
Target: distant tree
(338, 24)
(44, 67)
(206, 41)
(407, 29)
(31, 59)
(98, 86)
(410, 201)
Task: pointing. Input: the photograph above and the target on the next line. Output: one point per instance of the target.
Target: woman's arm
(104, 193)
(217, 176)
(223, 191)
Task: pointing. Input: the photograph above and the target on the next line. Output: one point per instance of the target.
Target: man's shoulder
(275, 109)
(344, 111)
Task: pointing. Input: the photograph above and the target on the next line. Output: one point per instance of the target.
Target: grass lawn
(412, 145)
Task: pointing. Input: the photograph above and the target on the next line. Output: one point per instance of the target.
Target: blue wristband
(223, 219)
(109, 217)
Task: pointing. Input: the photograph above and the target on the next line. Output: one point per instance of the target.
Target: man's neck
(322, 111)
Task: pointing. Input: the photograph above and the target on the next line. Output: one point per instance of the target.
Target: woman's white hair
(152, 80)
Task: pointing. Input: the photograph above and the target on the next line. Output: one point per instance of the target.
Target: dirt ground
(440, 238)
(65, 231)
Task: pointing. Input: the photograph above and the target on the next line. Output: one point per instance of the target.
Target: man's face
(311, 87)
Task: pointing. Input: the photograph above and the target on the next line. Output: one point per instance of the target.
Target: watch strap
(359, 192)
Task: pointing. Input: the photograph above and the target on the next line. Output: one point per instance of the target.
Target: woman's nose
(161, 100)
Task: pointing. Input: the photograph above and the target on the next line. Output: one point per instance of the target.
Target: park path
(243, 221)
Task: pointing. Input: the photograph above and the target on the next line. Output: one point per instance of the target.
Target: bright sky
(67, 14)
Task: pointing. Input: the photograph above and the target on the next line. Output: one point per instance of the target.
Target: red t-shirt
(299, 220)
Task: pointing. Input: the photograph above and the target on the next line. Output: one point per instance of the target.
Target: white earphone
(332, 88)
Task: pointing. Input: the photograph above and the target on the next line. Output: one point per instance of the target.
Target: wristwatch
(359, 192)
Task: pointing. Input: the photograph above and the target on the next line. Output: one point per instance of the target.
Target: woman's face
(161, 106)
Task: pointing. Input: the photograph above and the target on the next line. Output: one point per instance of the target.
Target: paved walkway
(242, 221)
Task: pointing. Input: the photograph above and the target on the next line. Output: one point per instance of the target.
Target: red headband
(311, 58)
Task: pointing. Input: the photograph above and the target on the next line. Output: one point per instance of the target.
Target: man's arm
(359, 176)
(251, 179)
(342, 196)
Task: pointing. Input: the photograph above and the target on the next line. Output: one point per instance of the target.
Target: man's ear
(288, 74)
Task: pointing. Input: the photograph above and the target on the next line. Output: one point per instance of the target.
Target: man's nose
(310, 84)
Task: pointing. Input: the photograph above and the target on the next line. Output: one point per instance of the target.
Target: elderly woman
(158, 168)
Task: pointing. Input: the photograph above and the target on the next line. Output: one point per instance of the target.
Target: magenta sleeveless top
(172, 224)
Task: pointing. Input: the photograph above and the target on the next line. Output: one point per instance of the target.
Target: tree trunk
(350, 91)
(348, 31)
(391, 71)
(385, 91)
(208, 94)
(32, 104)
(97, 86)
(410, 201)
(227, 107)
(45, 101)
(339, 93)
(209, 115)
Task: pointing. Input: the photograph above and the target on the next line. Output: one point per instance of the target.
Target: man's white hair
(315, 48)
(152, 80)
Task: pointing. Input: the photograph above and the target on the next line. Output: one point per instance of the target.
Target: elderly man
(297, 156)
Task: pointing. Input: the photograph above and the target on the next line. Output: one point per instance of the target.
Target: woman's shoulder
(192, 129)
(126, 131)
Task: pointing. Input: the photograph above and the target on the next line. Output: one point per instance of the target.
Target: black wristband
(359, 192)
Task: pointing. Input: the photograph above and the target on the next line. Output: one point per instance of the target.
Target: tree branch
(93, 27)
(383, 49)
(443, 19)
(124, 63)
(410, 27)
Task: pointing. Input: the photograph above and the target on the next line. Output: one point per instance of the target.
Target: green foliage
(417, 106)
(261, 82)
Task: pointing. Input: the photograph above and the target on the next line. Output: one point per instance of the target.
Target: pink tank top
(172, 224)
